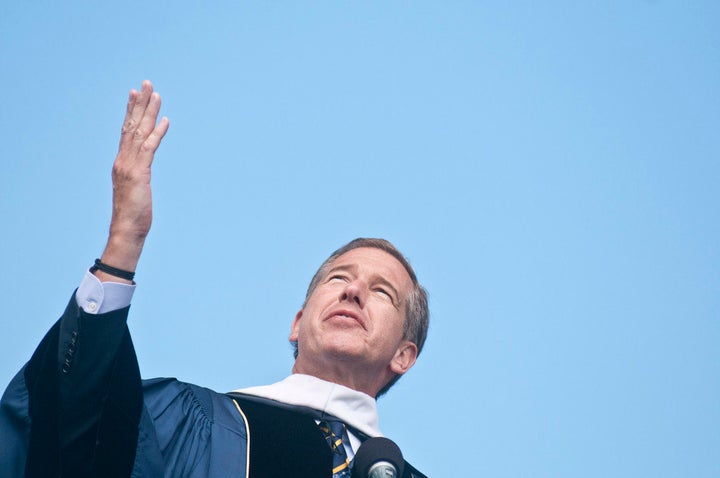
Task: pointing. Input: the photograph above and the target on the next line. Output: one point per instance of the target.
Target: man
(79, 408)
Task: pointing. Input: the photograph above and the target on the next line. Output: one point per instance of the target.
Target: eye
(337, 277)
(383, 291)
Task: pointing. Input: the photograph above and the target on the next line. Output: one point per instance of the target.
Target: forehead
(372, 262)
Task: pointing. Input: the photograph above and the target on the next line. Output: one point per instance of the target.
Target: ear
(295, 327)
(404, 357)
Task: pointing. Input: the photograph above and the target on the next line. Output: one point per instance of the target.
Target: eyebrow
(345, 268)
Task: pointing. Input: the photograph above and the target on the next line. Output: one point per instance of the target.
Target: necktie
(335, 435)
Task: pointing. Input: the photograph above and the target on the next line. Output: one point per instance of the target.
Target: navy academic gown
(79, 409)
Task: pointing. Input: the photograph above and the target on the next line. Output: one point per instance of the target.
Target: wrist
(100, 266)
(121, 252)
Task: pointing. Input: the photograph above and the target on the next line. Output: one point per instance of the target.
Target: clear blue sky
(551, 169)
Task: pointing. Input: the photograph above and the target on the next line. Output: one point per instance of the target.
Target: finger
(126, 132)
(148, 120)
(141, 103)
(135, 113)
(143, 99)
(152, 142)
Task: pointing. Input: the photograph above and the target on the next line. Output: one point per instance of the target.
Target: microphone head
(378, 456)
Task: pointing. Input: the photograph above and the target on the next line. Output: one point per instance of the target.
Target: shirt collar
(355, 408)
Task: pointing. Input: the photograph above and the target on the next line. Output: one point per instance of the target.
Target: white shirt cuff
(95, 297)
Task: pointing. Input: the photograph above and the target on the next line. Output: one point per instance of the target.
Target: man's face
(351, 328)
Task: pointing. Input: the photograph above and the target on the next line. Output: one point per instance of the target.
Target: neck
(359, 380)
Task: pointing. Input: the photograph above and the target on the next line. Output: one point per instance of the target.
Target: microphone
(378, 457)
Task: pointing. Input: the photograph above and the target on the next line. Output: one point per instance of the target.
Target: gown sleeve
(79, 408)
(74, 408)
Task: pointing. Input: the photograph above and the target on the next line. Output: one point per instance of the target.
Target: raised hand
(132, 195)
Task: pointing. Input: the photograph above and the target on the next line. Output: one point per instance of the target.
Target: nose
(356, 292)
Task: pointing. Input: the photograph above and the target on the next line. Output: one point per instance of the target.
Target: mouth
(346, 314)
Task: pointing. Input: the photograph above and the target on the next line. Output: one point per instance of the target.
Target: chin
(346, 351)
